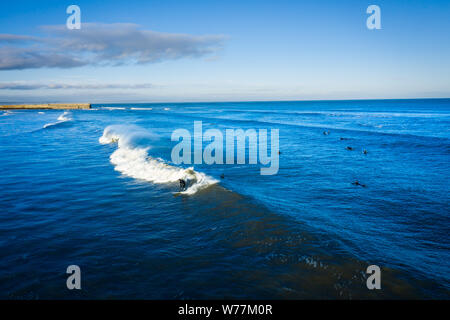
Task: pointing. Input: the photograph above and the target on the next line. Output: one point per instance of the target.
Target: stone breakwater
(64, 106)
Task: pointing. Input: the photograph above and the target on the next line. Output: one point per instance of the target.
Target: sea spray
(132, 159)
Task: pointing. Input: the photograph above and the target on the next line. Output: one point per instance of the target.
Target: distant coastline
(57, 106)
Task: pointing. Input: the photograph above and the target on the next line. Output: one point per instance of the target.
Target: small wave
(7, 113)
(141, 108)
(113, 108)
(370, 125)
(52, 124)
(166, 109)
(132, 159)
(65, 117)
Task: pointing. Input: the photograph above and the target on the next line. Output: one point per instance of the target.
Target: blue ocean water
(97, 188)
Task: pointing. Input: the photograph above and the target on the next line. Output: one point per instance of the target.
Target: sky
(176, 51)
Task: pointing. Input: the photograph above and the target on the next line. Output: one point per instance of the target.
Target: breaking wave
(7, 113)
(65, 117)
(132, 159)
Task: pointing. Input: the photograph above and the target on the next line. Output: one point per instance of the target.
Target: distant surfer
(182, 184)
(222, 176)
(365, 151)
(349, 148)
(326, 133)
(356, 183)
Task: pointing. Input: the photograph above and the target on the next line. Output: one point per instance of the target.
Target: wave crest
(65, 117)
(132, 159)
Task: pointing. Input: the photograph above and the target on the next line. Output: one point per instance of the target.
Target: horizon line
(231, 101)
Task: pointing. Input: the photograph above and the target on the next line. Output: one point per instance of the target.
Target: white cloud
(101, 44)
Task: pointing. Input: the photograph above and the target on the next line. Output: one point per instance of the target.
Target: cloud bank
(101, 44)
(35, 86)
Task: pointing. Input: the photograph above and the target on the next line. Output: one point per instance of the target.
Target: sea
(359, 183)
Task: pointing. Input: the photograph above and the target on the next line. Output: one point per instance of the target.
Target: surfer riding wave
(131, 158)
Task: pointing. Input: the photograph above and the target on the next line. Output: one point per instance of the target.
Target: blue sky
(149, 51)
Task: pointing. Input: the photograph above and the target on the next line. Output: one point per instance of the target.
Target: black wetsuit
(182, 184)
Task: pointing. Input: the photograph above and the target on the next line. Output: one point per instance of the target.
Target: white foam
(141, 108)
(114, 108)
(66, 116)
(166, 109)
(132, 159)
